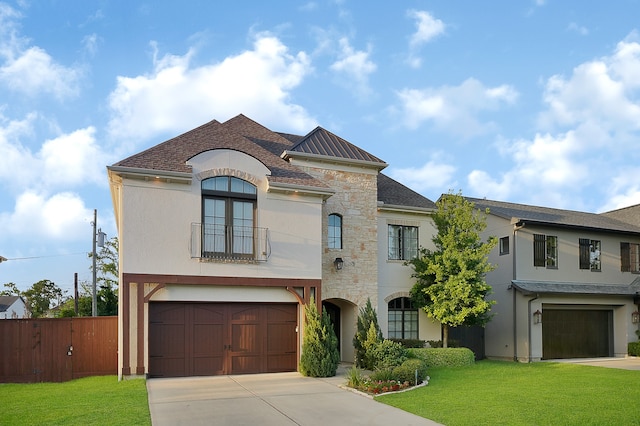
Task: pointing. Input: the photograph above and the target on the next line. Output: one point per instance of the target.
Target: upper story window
(545, 250)
(228, 210)
(589, 254)
(504, 245)
(629, 257)
(403, 319)
(403, 242)
(334, 239)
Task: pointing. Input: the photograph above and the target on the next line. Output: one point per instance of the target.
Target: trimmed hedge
(410, 343)
(444, 357)
(634, 348)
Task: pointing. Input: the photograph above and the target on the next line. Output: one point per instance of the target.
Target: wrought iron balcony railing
(222, 242)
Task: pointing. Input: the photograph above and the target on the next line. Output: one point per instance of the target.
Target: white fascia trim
(405, 209)
(331, 159)
(289, 187)
(148, 174)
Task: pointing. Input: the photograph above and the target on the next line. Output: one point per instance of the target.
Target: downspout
(529, 324)
(517, 226)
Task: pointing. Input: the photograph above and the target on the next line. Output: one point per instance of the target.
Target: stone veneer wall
(356, 200)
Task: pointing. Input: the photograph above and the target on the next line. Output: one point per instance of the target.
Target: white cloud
(176, 96)
(546, 166)
(454, 109)
(595, 113)
(62, 216)
(435, 174)
(72, 159)
(30, 70)
(355, 66)
(601, 91)
(427, 28)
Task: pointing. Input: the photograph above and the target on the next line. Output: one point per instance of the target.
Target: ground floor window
(403, 319)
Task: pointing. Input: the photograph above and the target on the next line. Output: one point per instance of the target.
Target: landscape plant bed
(510, 393)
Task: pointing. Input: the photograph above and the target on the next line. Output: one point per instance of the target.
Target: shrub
(407, 371)
(634, 348)
(320, 356)
(386, 354)
(355, 379)
(438, 343)
(444, 357)
(384, 375)
(366, 319)
(410, 343)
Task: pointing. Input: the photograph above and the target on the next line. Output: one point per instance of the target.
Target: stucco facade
(603, 296)
(159, 196)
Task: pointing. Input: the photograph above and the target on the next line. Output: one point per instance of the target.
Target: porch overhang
(588, 289)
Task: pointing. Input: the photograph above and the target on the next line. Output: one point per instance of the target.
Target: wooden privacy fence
(57, 349)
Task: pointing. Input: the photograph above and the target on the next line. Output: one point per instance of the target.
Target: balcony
(229, 243)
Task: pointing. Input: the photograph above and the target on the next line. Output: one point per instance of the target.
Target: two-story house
(227, 231)
(566, 283)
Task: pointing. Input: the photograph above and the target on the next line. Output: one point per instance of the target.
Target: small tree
(320, 356)
(451, 286)
(41, 296)
(366, 319)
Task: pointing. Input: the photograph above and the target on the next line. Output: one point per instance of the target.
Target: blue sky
(527, 101)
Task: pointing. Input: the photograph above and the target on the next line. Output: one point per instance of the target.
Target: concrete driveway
(267, 399)
(628, 363)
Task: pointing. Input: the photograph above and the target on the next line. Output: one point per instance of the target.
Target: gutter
(516, 227)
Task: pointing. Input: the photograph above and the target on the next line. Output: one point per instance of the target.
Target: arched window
(403, 319)
(228, 209)
(334, 238)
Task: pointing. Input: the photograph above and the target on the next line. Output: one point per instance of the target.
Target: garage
(205, 339)
(577, 333)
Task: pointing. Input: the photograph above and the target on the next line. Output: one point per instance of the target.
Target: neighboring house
(13, 307)
(566, 283)
(227, 231)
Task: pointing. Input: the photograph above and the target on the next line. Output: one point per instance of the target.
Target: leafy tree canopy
(450, 280)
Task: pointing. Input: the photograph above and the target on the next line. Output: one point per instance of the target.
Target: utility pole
(94, 294)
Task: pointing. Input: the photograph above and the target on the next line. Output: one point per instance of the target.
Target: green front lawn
(541, 393)
(98, 400)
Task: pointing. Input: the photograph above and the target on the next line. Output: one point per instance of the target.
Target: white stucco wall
(394, 276)
(155, 226)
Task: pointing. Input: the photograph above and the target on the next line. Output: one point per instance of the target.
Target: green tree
(320, 356)
(107, 277)
(11, 289)
(364, 337)
(41, 296)
(450, 281)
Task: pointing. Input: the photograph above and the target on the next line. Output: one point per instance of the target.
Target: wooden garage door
(203, 339)
(576, 333)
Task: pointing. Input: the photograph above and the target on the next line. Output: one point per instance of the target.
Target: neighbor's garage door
(203, 339)
(576, 333)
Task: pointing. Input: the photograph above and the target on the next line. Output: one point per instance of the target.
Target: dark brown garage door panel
(569, 333)
(187, 339)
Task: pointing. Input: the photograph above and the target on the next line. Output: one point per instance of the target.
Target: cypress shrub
(366, 320)
(320, 356)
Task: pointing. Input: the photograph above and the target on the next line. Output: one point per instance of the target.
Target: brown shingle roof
(245, 135)
(391, 192)
(554, 217)
(239, 134)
